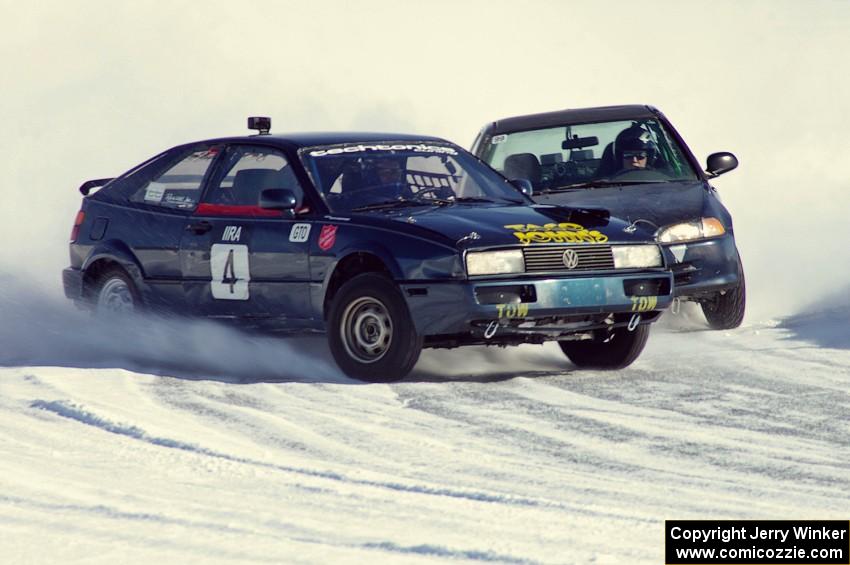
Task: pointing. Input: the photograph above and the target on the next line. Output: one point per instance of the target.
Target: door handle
(199, 228)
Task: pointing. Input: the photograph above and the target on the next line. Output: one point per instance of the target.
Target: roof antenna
(262, 124)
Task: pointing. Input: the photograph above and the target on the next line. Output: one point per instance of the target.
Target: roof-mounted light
(262, 124)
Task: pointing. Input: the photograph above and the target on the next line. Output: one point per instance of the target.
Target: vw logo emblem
(570, 259)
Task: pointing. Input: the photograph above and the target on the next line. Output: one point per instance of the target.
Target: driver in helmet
(380, 178)
(635, 149)
(383, 171)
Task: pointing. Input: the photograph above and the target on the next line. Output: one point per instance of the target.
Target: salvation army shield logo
(327, 237)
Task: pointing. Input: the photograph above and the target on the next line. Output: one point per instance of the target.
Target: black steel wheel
(370, 331)
(115, 294)
(725, 310)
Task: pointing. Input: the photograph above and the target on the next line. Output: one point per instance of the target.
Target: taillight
(75, 231)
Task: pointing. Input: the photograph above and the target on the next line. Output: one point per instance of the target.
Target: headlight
(636, 256)
(495, 262)
(699, 229)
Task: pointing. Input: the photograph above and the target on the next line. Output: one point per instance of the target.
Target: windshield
(589, 155)
(361, 176)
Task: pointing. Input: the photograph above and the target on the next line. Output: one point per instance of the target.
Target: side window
(248, 171)
(123, 187)
(179, 185)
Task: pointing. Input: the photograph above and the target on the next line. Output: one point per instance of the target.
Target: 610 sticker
(229, 271)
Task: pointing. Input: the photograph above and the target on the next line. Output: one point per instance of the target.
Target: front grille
(591, 257)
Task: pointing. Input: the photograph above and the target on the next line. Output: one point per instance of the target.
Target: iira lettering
(232, 233)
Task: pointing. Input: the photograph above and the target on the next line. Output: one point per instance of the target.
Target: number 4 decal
(229, 271)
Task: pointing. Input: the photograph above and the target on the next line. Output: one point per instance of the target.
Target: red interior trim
(204, 209)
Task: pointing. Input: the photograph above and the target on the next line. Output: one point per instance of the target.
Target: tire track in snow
(114, 513)
(81, 415)
(345, 436)
(744, 415)
(254, 418)
(428, 550)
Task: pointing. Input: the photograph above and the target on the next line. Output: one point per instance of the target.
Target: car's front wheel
(614, 350)
(115, 294)
(725, 310)
(370, 331)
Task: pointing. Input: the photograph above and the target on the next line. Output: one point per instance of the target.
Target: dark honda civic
(388, 243)
(631, 161)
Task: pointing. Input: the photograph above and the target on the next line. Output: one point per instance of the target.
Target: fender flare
(118, 252)
(371, 248)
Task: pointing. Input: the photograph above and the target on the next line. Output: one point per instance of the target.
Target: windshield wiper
(472, 199)
(400, 203)
(404, 202)
(597, 184)
(587, 184)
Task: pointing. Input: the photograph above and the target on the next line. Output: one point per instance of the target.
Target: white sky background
(90, 89)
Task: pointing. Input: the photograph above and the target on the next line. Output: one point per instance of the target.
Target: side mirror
(523, 185)
(719, 163)
(278, 199)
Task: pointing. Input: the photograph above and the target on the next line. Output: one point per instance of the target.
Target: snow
(481, 455)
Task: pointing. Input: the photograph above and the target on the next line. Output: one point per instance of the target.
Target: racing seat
(608, 165)
(349, 189)
(249, 183)
(523, 166)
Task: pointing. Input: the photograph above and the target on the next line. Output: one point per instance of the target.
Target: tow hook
(491, 330)
(633, 323)
(676, 306)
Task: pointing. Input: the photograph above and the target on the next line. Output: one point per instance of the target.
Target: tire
(618, 352)
(726, 311)
(370, 331)
(115, 294)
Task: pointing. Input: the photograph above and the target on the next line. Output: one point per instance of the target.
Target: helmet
(383, 170)
(636, 138)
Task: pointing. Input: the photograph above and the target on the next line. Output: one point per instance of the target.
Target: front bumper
(462, 306)
(703, 267)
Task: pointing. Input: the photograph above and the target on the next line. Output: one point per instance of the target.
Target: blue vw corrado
(389, 243)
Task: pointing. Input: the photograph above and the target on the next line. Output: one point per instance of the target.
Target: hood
(662, 203)
(511, 225)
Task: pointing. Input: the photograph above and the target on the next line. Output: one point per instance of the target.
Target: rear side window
(179, 185)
